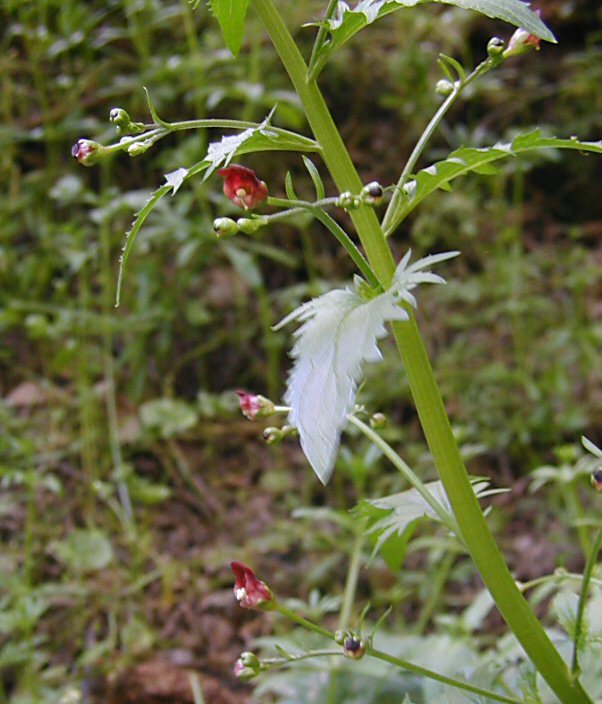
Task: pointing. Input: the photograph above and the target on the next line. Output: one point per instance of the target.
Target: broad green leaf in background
(339, 332)
(467, 159)
(85, 550)
(231, 17)
(347, 21)
(167, 416)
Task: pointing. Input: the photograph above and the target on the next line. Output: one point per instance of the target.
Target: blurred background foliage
(128, 479)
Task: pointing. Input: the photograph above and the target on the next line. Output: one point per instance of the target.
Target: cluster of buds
(250, 592)
(123, 122)
(227, 227)
(273, 436)
(521, 42)
(242, 186)
(354, 647)
(247, 666)
(371, 194)
(254, 405)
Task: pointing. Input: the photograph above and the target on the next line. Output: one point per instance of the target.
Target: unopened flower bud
(521, 42)
(225, 227)
(250, 592)
(123, 123)
(250, 225)
(137, 148)
(272, 436)
(249, 659)
(348, 201)
(243, 673)
(372, 193)
(87, 152)
(288, 431)
(254, 405)
(354, 648)
(444, 87)
(596, 479)
(378, 421)
(339, 637)
(495, 49)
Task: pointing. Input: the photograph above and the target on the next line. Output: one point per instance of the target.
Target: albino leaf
(340, 331)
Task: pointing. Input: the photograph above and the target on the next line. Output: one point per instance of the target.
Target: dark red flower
(250, 592)
(242, 186)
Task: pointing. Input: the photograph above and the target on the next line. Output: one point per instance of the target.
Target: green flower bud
(378, 420)
(272, 436)
(123, 123)
(249, 659)
(348, 201)
(225, 227)
(495, 49)
(249, 226)
(444, 87)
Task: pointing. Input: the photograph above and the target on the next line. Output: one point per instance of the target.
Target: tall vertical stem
(429, 404)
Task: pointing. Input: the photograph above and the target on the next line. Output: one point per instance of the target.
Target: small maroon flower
(242, 186)
(250, 592)
(254, 406)
(86, 151)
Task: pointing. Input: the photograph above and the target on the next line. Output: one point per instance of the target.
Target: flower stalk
(435, 423)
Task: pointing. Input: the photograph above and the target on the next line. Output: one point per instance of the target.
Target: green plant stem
(353, 574)
(423, 672)
(153, 133)
(566, 576)
(429, 404)
(573, 503)
(398, 662)
(109, 375)
(343, 238)
(587, 575)
(437, 582)
(320, 37)
(303, 621)
(408, 474)
(392, 218)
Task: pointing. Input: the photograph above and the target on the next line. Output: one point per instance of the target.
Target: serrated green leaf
(231, 17)
(347, 21)
(468, 159)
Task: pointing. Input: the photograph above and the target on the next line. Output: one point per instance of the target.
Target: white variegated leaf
(340, 331)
